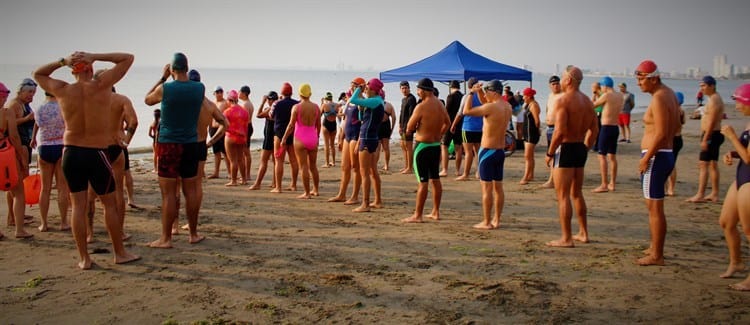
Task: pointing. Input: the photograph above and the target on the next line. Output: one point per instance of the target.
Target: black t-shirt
(408, 103)
(453, 104)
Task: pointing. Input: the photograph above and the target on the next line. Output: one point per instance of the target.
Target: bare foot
(412, 219)
(523, 182)
(547, 185)
(232, 183)
(495, 223)
(185, 227)
(127, 258)
(696, 199)
(483, 226)
(42, 228)
(560, 243)
(646, 251)
(670, 193)
(243, 182)
(611, 187)
(315, 193)
(461, 178)
(175, 231)
(714, 199)
(386, 168)
(443, 173)
(90, 239)
(337, 199)
(292, 188)
(276, 190)
(742, 286)
(407, 171)
(126, 236)
(23, 235)
(254, 187)
(64, 227)
(85, 264)
(731, 270)
(304, 196)
(160, 244)
(649, 260)
(326, 165)
(435, 217)
(581, 238)
(365, 208)
(196, 239)
(213, 176)
(376, 205)
(133, 206)
(351, 202)
(600, 189)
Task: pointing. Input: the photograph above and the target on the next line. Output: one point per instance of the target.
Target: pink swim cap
(375, 84)
(4, 89)
(742, 94)
(233, 95)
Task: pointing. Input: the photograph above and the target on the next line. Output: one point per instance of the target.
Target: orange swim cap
(81, 67)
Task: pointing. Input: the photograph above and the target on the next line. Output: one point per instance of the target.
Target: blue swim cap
(607, 82)
(680, 97)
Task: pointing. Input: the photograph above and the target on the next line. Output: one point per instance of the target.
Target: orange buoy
(32, 187)
(8, 166)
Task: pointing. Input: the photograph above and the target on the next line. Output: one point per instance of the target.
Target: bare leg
(312, 157)
(487, 199)
(499, 202)
(385, 143)
(114, 227)
(702, 179)
(78, 225)
(728, 221)
(233, 160)
(613, 172)
(346, 173)
(264, 157)
(443, 160)
(376, 182)
(168, 212)
(421, 198)
(248, 162)
(47, 172)
(579, 203)
(470, 153)
(301, 153)
(459, 157)
(365, 160)
(603, 173)
(278, 168)
(408, 157)
(19, 210)
(714, 172)
(294, 163)
(63, 196)
(129, 189)
(563, 184)
(528, 155)
(190, 188)
(672, 181)
(658, 226)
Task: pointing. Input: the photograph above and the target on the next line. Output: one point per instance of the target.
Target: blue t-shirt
(473, 123)
(180, 107)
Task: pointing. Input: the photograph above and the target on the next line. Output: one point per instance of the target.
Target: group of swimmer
(89, 152)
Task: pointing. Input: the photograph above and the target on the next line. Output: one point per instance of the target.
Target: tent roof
(455, 62)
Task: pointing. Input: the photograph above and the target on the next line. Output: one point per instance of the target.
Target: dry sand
(272, 258)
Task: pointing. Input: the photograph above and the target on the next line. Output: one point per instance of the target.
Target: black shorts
(127, 158)
(712, 154)
(427, 161)
(113, 152)
(50, 153)
(472, 136)
(450, 136)
(178, 160)
(84, 166)
(370, 145)
(676, 146)
(218, 147)
(329, 125)
(571, 155)
(202, 151)
(384, 131)
(607, 141)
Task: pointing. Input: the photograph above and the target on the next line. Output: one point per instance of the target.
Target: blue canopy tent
(455, 62)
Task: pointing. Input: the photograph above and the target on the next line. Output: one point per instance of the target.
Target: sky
(383, 34)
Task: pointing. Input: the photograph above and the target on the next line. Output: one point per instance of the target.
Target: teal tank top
(180, 108)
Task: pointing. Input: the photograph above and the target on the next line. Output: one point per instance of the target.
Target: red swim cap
(529, 92)
(286, 89)
(647, 67)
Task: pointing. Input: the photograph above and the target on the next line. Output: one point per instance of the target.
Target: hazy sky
(381, 34)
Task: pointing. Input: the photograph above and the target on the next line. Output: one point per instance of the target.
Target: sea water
(140, 79)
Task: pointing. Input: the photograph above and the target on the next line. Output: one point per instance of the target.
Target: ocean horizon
(140, 79)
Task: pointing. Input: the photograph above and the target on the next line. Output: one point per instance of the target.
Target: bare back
(612, 107)
(430, 119)
(118, 111)
(575, 117)
(308, 113)
(86, 109)
(496, 119)
(208, 110)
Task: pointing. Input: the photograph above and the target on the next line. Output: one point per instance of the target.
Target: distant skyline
(328, 35)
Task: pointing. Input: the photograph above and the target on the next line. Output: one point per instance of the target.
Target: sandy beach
(271, 258)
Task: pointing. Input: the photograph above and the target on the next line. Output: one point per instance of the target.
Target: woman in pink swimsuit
(305, 122)
(236, 137)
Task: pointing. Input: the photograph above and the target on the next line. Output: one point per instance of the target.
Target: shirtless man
(575, 131)
(555, 91)
(430, 120)
(218, 148)
(496, 115)
(608, 134)
(86, 139)
(372, 109)
(247, 104)
(181, 100)
(661, 120)
(711, 140)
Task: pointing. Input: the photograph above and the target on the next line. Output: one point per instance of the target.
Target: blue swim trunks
(491, 164)
(659, 168)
